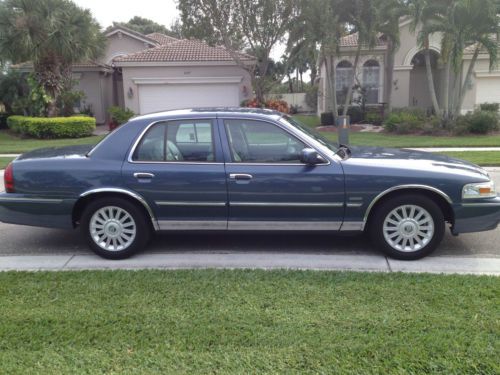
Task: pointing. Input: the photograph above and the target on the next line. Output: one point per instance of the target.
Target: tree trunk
(463, 89)
(446, 93)
(350, 89)
(290, 83)
(331, 78)
(430, 80)
(389, 75)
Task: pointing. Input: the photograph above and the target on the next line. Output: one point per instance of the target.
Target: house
(156, 72)
(409, 83)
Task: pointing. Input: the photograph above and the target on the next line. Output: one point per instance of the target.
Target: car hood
(411, 159)
(57, 152)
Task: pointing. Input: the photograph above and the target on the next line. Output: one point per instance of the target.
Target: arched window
(344, 79)
(371, 81)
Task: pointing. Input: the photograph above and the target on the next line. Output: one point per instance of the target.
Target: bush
(276, 104)
(355, 114)
(120, 115)
(326, 119)
(477, 122)
(3, 120)
(374, 118)
(403, 123)
(491, 107)
(53, 127)
(312, 97)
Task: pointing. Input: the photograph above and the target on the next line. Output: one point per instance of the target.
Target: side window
(188, 141)
(262, 142)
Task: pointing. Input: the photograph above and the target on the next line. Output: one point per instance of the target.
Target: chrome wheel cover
(112, 228)
(408, 228)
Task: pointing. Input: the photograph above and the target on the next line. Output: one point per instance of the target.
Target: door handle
(240, 176)
(143, 176)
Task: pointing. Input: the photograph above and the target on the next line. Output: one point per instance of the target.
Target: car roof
(213, 112)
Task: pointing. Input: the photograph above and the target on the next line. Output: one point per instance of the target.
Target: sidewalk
(254, 260)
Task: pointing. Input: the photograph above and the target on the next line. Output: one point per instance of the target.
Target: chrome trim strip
(30, 200)
(284, 204)
(354, 205)
(190, 204)
(480, 204)
(192, 225)
(352, 226)
(129, 193)
(403, 187)
(284, 225)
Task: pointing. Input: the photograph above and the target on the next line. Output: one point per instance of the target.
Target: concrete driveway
(263, 250)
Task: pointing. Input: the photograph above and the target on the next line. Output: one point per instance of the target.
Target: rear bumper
(476, 216)
(35, 211)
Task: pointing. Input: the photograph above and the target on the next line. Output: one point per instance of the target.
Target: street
(21, 240)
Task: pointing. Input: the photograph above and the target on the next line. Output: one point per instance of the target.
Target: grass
(10, 144)
(485, 158)
(229, 322)
(4, 162)
(398, 141)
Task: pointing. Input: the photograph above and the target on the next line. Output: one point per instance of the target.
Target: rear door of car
(177, 166)
(269, 188)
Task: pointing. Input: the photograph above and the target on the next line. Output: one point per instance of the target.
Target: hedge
(53, 127)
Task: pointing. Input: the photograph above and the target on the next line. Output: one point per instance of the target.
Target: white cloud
(106, 11)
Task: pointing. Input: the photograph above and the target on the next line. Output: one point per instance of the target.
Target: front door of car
(268, 186)
(177, 166)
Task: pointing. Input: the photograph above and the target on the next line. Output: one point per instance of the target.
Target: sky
(163, 12)
(106, 11)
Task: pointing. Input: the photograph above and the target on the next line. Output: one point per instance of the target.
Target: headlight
(479, 190)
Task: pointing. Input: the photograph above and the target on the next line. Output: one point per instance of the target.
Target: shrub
(120, 115)
(478, 122)
(355, 114)
(491, 107)
(416, 112)
(374, 118)
(326, 118)
(403, 123)
(3, 120)
(312, 97)
(53, 127)
(276, 104)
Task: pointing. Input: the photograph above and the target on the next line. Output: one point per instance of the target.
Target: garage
(487, 90)
(163, 97)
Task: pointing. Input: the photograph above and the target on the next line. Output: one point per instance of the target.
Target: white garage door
(488, 90)
(155, 98)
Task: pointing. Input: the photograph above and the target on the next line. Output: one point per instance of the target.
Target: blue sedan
(244, 169)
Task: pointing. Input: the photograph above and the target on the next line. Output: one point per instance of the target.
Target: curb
(254, 260)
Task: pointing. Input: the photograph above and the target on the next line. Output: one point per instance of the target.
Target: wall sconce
(130, 93)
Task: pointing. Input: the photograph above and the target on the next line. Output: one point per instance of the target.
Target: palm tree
(53, 35)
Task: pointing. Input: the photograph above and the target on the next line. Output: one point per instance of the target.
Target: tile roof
(86, 64)
(162, 38)
(469, 50)
(351, 40)
(182, 50)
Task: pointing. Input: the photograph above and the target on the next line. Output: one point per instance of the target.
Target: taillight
(8, 178)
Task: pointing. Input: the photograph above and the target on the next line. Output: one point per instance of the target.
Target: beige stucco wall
(191, 72)
(95, 85)
(122, 44)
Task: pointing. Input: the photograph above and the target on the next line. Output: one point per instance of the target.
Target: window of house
(345, 73)
(262, 142)
(371, 81)
(187, 141)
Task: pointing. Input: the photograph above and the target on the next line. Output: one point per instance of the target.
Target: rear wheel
(114, 228)
(407, 227)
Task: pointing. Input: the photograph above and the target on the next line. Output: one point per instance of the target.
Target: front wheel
(407, 227)
(114, 228)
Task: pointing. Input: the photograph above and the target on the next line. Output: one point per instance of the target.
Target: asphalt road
(21, 240)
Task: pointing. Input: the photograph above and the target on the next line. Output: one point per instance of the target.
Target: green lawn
(486, 158)
(4, 162)
(235, 322)
(10, 144)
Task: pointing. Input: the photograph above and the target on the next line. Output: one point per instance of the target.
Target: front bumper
(35, 211)
(476, 216)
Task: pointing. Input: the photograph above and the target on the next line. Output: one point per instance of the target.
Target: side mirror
(311, 157)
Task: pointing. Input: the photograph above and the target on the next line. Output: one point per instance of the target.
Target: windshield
(312, 133)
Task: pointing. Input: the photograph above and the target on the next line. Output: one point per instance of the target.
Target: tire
(115, 228)
(407, 227)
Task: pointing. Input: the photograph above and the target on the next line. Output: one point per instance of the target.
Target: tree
(53, 35)
(146, 26)
(257, 25)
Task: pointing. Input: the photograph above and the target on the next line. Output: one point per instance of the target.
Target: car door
(269, 188)
(177, 166)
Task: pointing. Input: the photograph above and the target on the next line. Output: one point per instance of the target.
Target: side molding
(403, 187)
(130, 194)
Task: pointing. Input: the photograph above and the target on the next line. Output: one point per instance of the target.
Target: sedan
(244, 170)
